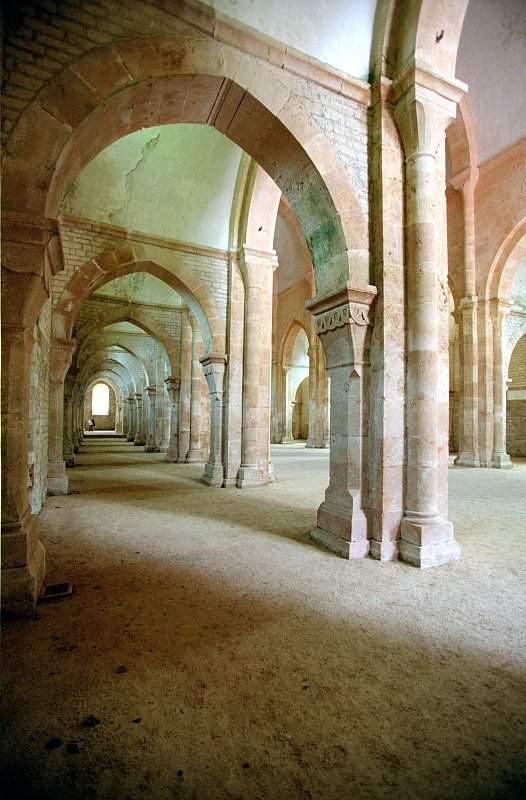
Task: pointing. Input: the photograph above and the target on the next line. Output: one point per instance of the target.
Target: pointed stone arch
(126, 260)
(135, 315)
(511, 252)
(179, 79)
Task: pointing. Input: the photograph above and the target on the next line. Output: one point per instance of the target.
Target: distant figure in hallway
(91, 424)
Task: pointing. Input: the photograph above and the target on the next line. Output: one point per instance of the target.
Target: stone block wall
(516, 426)
(516, 402)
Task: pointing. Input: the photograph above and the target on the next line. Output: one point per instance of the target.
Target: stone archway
(294, 366)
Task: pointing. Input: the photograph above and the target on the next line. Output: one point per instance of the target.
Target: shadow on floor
(204, 689)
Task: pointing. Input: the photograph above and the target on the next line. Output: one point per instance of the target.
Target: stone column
(500, 458)
(275, 430)
(287, 406)
(125, 416)
(69, 456)
(214, 370)
(140, 433)
(424, 106)
(317, 396)
(195, 452)
(132, 418)
(469, 430)
(23, 555)
(257, 268)
(172, 387)
(343, 322)
(75, 402)
(151, 444)
(166, 425)
(61, 355)
(185, 391)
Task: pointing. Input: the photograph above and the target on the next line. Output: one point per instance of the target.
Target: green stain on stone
(326, 245)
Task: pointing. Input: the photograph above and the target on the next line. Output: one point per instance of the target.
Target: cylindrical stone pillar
(426, 536)
(172, 387)
(132, 426)
(500, 458)
(140, 433)
(151, 445)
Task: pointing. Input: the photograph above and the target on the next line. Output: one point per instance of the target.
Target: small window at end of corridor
(100, 400)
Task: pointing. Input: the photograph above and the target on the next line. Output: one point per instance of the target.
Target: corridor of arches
(264, 365)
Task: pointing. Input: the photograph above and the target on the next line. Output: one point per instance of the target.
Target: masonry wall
(516, 402)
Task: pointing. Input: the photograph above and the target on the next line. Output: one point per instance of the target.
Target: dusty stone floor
(218, 654)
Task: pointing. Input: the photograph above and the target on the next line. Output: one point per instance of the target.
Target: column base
(130, 438)
(171, 456)
(213, 475)
(342, 529)
(139, 442)
(194, 456)
(429, 544)
(466, 459)
(151, 448)
(69, 462)
(76, 450)
(251, 477)
(57, 480)
(385, 550)
(501, 461)
(316, 444)
(343, 547)
(287, 440)
(22, 574)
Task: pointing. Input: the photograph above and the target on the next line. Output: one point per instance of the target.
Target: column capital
(424, 105)
(211, 359)
(468, 302)
(172, 384)
(361, 299)
(61, 355)
(254, 264)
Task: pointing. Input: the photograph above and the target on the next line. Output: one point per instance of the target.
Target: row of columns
(483, 369)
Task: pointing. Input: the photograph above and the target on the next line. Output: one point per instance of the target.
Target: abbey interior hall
(263, 400)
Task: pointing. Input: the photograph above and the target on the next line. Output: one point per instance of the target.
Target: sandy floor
(210, 651)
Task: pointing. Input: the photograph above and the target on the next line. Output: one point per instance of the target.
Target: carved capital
(424, 105)
(214, 370)
(61, 356)
(351, 313)
(172, 386)
(343, 321)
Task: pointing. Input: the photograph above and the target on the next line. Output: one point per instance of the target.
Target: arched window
(100, 400)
